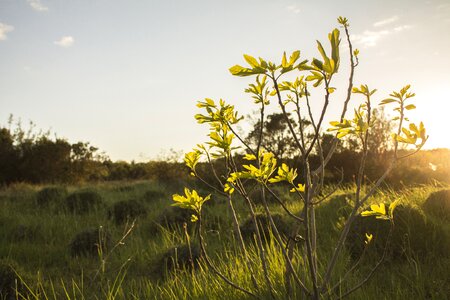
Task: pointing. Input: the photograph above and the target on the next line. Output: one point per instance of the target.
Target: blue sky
(125, 75)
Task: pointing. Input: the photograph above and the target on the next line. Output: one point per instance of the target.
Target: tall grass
(132, 268)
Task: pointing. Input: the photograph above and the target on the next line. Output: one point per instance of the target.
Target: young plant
(316, 278)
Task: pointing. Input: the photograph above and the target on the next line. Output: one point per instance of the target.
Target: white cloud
(65, 41)
(385, 21)
(4, 29)
(293, 8)
(401, 28)
(37, 5)
(370, 38)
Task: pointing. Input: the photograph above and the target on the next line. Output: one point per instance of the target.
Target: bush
(124, 211)
(89, 242)
(438, 204)
(248, 228)
(83, 201)
(51, 195)
(9, 281)
(411, 235)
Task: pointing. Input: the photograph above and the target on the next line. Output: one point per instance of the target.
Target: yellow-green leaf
(251, 61)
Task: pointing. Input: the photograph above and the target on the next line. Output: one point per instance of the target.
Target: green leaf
(369, 238)
(335, 41)
(322, 52)
(392, 207)
(294, 57)
(343, 21)
(238, 70)
(249, 156)
(317, 63)
(251, 61)
(379, 211)
(300, 188)
(410, 106)
(414, 128)
(341, 134)
(388, 100)
(284, 62)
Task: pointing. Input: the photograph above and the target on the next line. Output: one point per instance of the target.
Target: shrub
(411, 235)
(248, 228)
(83, 201)
(124, 211)
(51, 195)
(10, 281)
(89, 242)
(438, 204)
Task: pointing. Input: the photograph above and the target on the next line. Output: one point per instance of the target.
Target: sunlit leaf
(251, 61)
(369, 238)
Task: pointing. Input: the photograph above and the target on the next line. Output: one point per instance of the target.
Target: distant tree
(45, 160)
(381, 140)
(8, 157)
(276, 137)
(86, 163)
(33, 156)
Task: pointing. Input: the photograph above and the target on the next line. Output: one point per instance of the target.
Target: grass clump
(23, 232)
(152, 196)
(248, 228)
(127, 210)
(53, 195)
(173, 217)
(438, 204)
(412, 235)
(11, 282)
(90, 242)
(178, 258)
(82, 202)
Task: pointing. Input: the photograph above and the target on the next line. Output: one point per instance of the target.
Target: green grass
(37, 240)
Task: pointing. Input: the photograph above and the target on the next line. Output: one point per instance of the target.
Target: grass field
(138, 261)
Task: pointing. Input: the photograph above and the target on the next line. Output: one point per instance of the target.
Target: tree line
(28, 155)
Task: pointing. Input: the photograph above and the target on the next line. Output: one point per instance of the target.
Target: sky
(125, 75)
